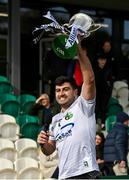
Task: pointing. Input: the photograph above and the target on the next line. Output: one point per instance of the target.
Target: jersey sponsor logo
(65, 132)
(68, 116)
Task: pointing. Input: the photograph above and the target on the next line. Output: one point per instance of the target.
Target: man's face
(98, 140)
(107, 47)
(102, 62)
(65, 94)
(126, 122)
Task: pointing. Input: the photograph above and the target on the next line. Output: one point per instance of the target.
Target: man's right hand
(43, 138)
(47, 146)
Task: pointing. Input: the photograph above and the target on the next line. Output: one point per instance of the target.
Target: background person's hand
(39, 99)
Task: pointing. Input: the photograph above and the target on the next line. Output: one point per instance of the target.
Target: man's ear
(76, 92)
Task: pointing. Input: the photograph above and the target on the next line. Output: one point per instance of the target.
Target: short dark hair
(102, 56)
(122, 117)
(62, 79)
(100, 134)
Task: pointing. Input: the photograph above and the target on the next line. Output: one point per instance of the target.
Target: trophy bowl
(58, 46)
(83, 21)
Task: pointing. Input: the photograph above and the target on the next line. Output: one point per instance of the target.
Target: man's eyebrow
(63, 87)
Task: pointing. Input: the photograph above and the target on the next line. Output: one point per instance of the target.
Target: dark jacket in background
(103, 80)
(116, 143)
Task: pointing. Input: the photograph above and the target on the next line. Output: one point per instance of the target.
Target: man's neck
(65, 107)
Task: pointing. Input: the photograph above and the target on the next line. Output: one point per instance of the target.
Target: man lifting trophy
(65, 41)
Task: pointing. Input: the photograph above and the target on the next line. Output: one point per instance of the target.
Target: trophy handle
(96, 26)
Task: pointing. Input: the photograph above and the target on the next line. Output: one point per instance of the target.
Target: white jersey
(74, 132)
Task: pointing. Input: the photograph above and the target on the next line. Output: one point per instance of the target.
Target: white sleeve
(87, 106)
(52, 127)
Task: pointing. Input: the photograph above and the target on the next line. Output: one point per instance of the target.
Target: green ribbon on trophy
(65, 42)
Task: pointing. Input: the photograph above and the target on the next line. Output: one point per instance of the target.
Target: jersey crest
(68, 116)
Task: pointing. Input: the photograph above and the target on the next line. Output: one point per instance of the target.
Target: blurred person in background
(44, 110)
(112, 63)
(103, 80)
(116, 143)
(100, 139)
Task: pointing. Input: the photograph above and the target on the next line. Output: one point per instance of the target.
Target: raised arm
(88, 87)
